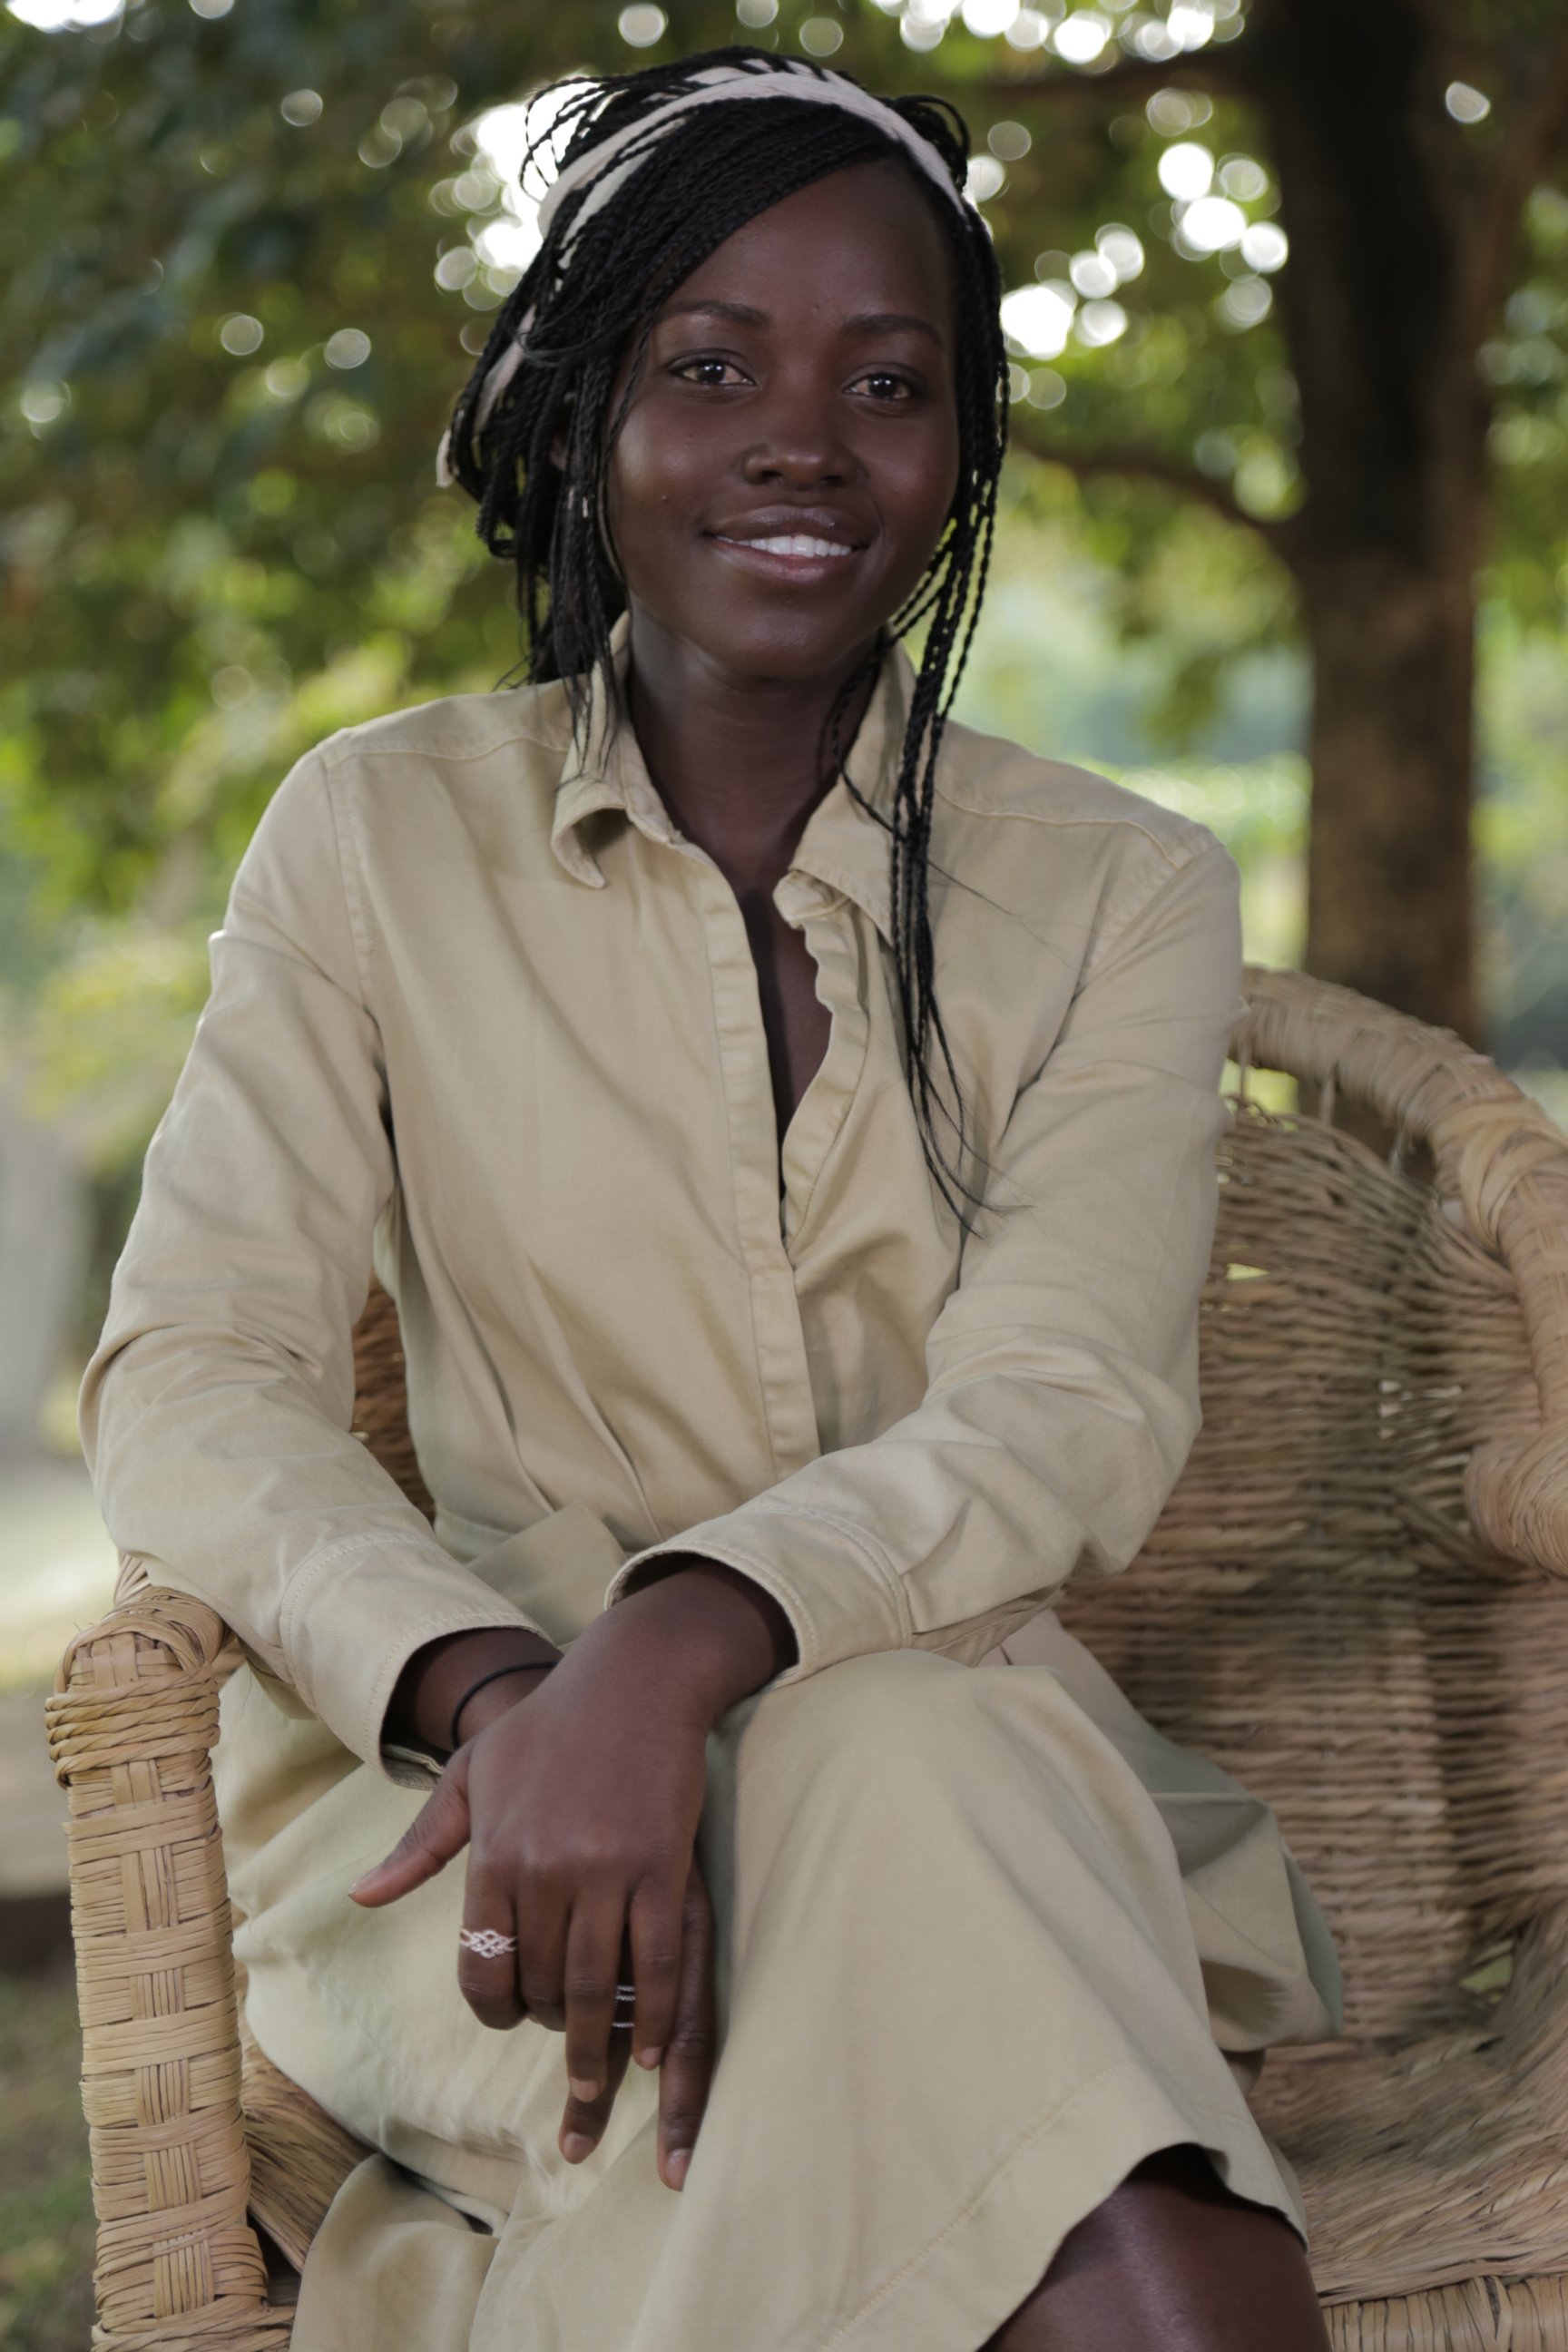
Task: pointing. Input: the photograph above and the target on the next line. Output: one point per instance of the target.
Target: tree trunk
(1389, 888)
(1376, 303)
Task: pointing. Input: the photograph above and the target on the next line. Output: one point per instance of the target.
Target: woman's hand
(581, 1804)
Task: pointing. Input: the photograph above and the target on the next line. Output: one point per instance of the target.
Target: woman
(787, 1123)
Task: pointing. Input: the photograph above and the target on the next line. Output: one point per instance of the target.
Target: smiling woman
(780, 1340)
(570, 361)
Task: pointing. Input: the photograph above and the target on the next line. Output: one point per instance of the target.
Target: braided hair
(705, 177)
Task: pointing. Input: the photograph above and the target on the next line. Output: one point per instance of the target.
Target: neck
(740, 762)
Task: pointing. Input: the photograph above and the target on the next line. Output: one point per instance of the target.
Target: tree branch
(1226, 70)
(1541, 127)
(1150, 465)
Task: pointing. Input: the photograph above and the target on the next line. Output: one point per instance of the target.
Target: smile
(799, 559)
(795, 543)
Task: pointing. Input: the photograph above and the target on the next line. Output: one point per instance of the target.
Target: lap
(894, 1801)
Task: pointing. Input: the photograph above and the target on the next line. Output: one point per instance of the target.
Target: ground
(58, 1575)
(45, 2209)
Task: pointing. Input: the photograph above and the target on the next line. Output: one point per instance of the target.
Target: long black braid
(699, 181)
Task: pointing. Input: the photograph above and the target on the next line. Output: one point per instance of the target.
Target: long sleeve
(1062, 1371)
(216, 1413)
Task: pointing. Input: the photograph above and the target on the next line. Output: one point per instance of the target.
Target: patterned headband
(605, 168)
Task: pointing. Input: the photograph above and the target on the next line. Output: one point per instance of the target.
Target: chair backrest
(1350, 1601)
(1347, 1602)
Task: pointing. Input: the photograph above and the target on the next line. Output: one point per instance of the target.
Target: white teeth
(797, 543)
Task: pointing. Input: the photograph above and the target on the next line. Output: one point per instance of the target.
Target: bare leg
(1172, 2263)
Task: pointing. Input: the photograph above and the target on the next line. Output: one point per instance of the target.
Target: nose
(799, 444)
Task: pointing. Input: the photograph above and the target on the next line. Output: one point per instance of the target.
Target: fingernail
(649, 2057)
(584, 2090)
(675, 2165)
(575, 2147)
(364, 1881)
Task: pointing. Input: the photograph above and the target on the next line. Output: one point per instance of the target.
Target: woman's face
(791, 450)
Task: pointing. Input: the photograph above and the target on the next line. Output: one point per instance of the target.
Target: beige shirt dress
(483, 1019)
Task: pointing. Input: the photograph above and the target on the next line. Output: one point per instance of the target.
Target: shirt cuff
(842, 1597)
(354, 1616)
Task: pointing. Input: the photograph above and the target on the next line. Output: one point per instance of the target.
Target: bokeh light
(349, 348)
(1081, 37)
(641, 24)
(1092, 275)
(1246, 302)
(44, 401)
(1187, 170)
(1039, 318)
(1466, 104)
(1101, 322)
(987, 18)
(1211, 225)
(1264, 247)
(1173, 112)
(1121, 249)
(1008, 141)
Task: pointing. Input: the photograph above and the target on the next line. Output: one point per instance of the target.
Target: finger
(593, 1956)
(542, 1919)
(438, 1831)
(582, 2124)
(655, 1926)
(486, 1965)
(692, 2050)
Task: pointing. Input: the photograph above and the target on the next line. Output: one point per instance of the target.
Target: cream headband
(607, 168)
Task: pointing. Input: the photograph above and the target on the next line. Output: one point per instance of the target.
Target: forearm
(701, 1625)
(709, 1627)
(435, 1678)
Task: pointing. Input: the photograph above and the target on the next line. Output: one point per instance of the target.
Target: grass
(46, 2205)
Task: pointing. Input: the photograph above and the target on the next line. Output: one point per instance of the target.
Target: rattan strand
(1385, 1369)
(131, 1731)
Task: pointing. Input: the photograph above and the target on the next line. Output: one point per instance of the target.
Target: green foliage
(245, 260)
(227, 358)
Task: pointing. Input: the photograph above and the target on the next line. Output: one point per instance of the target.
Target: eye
(884, 387)
(715, 373)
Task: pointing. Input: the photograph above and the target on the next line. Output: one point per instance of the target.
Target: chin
(790, 654)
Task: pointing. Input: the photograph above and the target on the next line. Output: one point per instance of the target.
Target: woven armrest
(131, 1725)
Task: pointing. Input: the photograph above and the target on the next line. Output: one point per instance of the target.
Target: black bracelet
(522, 1667)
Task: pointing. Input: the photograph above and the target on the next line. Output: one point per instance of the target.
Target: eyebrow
(865, 323)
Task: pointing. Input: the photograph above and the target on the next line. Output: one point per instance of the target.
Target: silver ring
(488, 1942)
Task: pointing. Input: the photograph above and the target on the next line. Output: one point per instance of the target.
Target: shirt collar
(842, 846)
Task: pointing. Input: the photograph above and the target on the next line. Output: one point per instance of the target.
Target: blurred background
(1285, 544)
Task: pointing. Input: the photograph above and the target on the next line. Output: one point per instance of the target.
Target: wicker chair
(1351, 1602)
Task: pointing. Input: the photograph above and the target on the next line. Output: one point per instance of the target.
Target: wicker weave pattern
(1384, 1373)
(131, 1734)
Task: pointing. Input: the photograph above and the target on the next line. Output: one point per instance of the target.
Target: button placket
(783, 1365)
(827, 921)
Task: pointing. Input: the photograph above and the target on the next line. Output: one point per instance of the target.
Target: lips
(791, 543)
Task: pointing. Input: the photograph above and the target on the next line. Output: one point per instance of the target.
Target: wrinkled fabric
(482, 1020)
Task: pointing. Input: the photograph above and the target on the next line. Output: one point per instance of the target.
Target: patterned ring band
(487, 1942)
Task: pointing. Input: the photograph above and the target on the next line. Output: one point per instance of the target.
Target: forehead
(864, 237)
